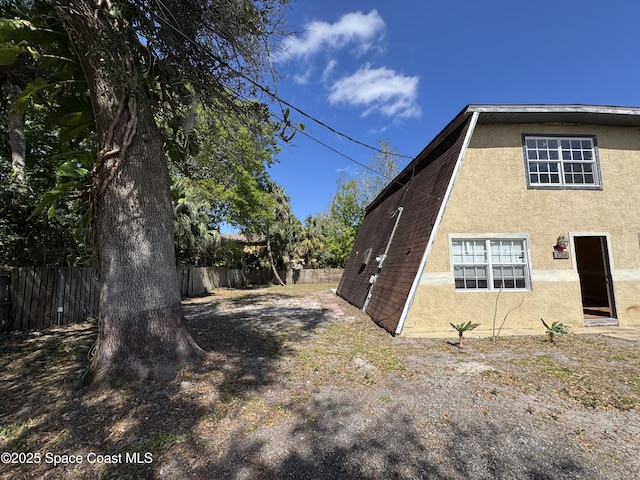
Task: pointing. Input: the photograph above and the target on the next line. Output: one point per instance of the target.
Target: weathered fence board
(36, 298)
(197, 281)
(312, 275)
(42, 297)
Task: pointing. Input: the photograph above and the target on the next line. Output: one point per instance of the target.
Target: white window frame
(489, 263)
(550, 162)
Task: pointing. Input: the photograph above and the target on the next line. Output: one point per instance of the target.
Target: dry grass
(270, 353)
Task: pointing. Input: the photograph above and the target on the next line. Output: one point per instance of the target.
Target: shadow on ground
(243, 415)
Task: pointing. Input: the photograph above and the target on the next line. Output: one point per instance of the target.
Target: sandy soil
(294, 390)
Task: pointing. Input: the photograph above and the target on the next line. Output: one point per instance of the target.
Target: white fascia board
(436, 226)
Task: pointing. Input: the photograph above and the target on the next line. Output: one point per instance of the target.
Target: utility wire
(338, 152)
(274, 96)
(278, 99)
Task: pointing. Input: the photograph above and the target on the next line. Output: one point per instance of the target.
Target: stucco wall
(490, 196)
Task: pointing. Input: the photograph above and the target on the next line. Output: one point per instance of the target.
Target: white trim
(436, 278)
(436, 225)
(565, 275)
(629, 275)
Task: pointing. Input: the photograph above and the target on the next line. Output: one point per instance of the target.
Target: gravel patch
(296, 388)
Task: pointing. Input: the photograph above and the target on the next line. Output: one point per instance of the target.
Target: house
(512, 211)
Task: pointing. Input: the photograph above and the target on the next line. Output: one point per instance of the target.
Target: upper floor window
(555, 161)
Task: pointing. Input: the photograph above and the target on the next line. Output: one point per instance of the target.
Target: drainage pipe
(381, 258)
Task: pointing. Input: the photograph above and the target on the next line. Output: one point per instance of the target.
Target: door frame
(605, 245)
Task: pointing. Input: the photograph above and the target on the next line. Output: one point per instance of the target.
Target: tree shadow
(238, 415)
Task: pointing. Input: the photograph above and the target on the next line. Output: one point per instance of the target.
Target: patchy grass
(594, 371)
(270, 352)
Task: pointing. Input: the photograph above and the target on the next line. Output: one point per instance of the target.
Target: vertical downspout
(381, 258)
(436, 225)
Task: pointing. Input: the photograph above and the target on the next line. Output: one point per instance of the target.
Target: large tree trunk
(142, 330)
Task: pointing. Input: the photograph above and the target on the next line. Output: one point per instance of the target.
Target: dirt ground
(292, 390)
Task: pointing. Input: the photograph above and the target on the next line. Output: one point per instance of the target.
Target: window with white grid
(561, 161)
(490, 264)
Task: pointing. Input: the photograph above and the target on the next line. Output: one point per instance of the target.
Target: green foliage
(381, 170)
(219, 144)
(345, 216)
(196, 243)
(348, 206)
(229, 167)
(38, 241)
(464, 327)
(53, 99)
(556, 328)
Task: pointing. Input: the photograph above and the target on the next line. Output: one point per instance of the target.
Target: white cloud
(378, 90)
(304, 78)
(328, 70)
(356, 29)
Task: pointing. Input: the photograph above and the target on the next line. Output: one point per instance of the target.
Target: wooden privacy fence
(36, 298)
(197, 281)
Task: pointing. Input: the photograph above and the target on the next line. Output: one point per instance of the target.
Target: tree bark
(271, 262)
(18, 145)
(142, 329)
(17, 141)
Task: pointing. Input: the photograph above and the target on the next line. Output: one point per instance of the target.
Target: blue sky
(400, 71)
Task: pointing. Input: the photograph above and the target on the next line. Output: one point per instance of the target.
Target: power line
(277, 98)
(274, 96)
(391, 180)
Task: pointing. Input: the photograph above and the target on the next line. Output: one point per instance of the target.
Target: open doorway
(592, 262)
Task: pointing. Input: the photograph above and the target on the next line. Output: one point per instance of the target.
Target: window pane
(505, 259)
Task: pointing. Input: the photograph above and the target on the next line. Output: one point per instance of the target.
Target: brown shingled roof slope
(419, 190)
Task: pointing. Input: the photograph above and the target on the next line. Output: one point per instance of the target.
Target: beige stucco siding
(490, 197)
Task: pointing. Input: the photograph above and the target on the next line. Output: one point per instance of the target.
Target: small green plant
(463, 327)
(556, 328)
